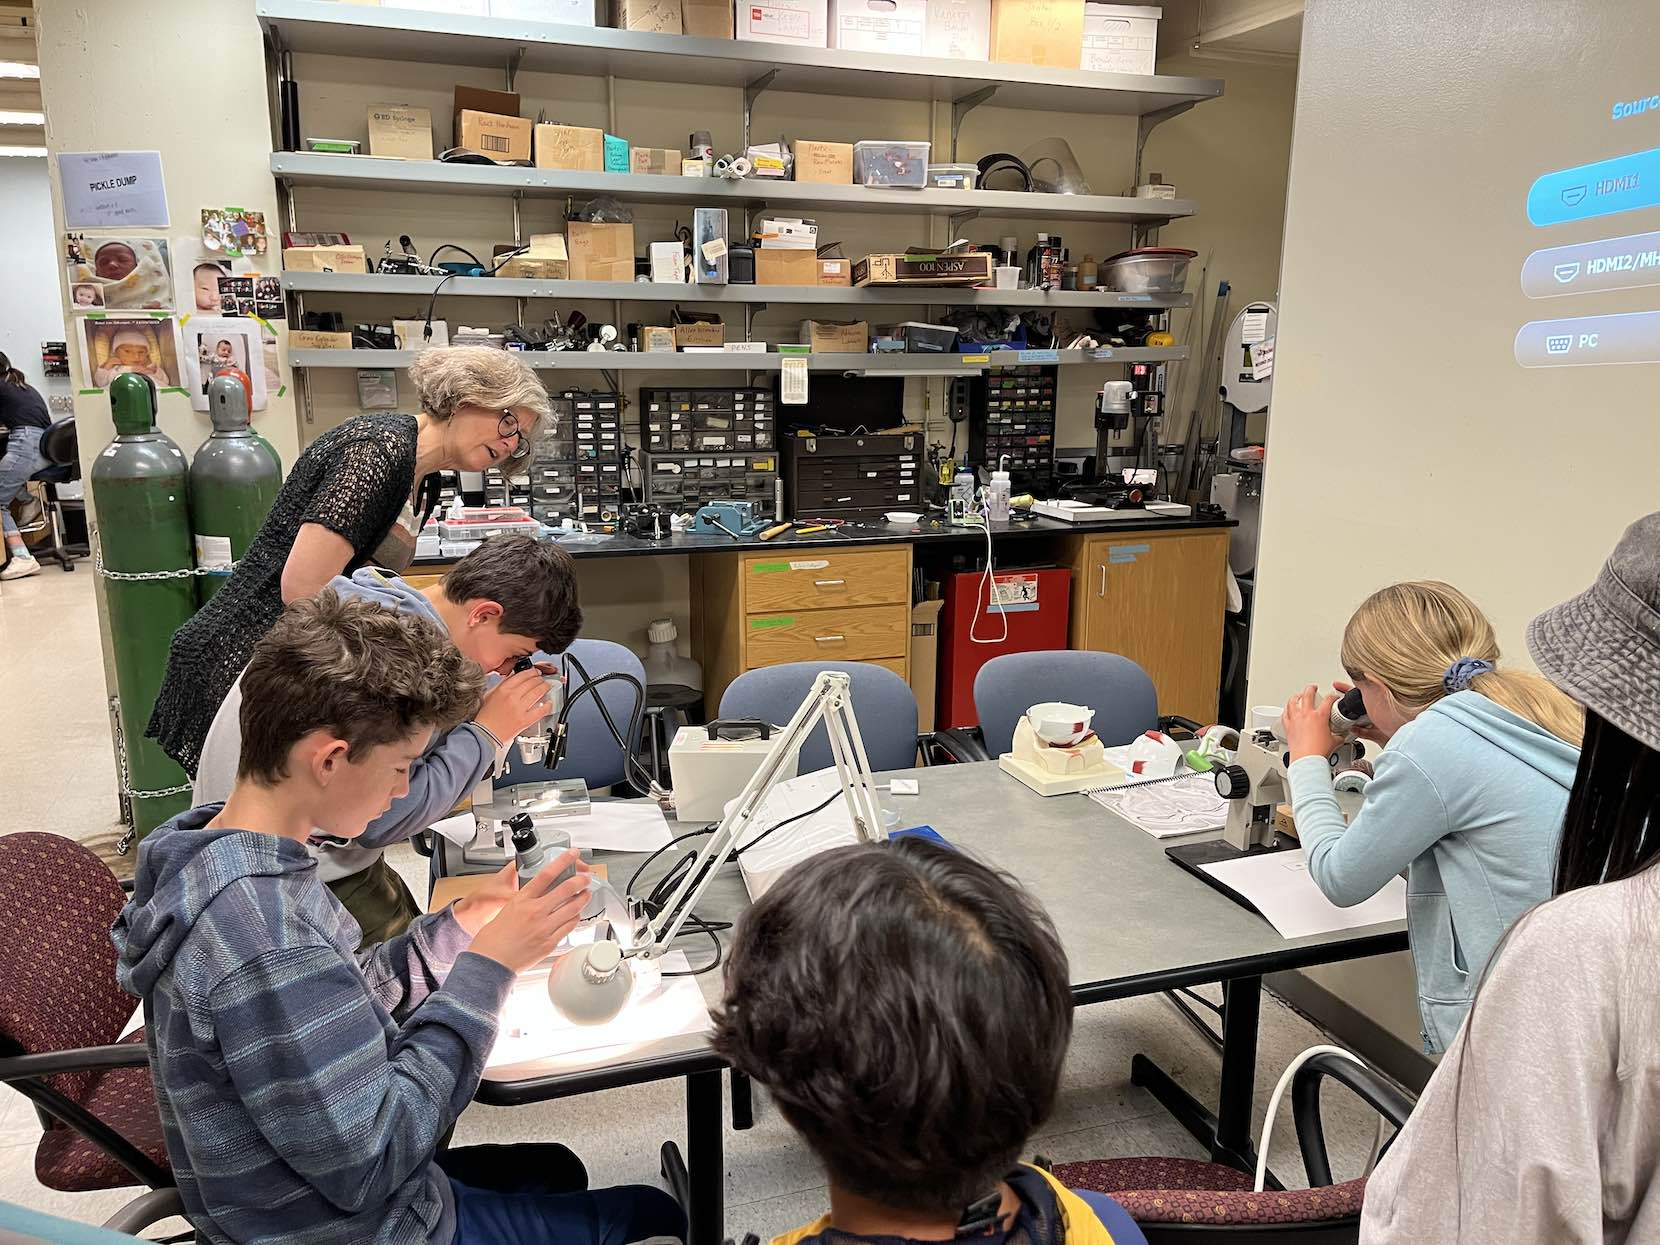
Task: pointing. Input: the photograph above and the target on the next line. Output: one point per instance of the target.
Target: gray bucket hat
(1603, 646)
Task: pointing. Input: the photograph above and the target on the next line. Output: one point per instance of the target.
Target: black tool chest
(1014, 414)
(857, 477)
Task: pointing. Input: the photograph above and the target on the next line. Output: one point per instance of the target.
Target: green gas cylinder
(234, 478)
(139, 497)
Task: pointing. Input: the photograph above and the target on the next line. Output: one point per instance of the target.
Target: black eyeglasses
(509, 427)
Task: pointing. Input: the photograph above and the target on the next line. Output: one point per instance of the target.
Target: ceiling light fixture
(38, 152)
(17, 69)
(21, 118)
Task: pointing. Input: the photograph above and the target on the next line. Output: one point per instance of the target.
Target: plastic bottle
(997, 493)
(665, 667)
(1087, 272)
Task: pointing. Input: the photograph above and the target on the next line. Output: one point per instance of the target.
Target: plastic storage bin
(953, 176)
(897, 163)
(921, 338)
(1148, 270)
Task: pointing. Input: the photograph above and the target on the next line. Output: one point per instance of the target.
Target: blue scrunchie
(1458, 675)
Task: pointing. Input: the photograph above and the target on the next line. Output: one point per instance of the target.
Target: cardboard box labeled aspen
(600, 252)
(699, 333)
(826, 163)
(785, 266)
(836, 336)
(400, 132)
(570, 147)
(968, 268)
(324, 259)
(1038, 32)
(656, 16)
(664, 161)
(707, 19)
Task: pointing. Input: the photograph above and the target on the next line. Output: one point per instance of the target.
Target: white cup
(1266, 717)
(1008, 277)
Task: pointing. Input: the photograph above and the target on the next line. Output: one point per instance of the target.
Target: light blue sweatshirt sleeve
(436, 783)
(1401, 817)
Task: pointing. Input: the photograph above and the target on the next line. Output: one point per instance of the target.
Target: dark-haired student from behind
(909, 1011)
(305, 1085)
(1541, 1126)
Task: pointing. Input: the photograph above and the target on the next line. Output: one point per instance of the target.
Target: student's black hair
(909, 1010)
(1611, 830)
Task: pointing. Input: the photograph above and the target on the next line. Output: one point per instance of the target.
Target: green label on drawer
(766, 624)
(767, 568)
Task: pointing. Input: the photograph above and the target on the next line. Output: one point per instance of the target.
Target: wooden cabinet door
(1159, 600)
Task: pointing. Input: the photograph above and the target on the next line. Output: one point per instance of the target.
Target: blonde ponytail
(1408, 635)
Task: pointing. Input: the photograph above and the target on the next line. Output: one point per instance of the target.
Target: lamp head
(591, 984)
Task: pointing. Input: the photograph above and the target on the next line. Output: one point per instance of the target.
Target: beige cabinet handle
(828, 583)
(1102, 590)
(830, 639)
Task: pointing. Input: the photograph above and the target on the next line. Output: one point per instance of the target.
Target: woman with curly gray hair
(357, 496)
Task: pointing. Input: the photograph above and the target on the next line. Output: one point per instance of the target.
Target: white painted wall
(1404, 440)
(31, 306)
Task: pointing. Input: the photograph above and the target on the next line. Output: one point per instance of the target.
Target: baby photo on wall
(133, 274)
(110, 348)
(214, 343)
(85, 296)
(202, 293)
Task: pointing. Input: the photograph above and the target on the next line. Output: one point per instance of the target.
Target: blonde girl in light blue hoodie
(1469, 791)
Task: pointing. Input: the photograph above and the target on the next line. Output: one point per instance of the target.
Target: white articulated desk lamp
(590, 984)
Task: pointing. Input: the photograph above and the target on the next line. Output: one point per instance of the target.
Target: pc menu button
(1585, 341)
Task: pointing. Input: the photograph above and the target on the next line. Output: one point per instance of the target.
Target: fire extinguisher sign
(1014, 593)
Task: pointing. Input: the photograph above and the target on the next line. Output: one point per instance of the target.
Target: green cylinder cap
(133, 404)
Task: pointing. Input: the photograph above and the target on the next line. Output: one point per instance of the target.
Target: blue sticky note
(616, 154)
(921, 832)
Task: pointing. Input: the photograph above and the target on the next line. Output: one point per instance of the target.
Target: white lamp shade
(590, 985)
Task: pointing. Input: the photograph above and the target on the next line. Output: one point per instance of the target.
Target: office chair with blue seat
(883, 705)
(1121, 693)
(591, 751)
(60, 448)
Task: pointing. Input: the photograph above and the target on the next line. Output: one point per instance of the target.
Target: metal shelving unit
(751, 295)
(307, 169)
(954, 364)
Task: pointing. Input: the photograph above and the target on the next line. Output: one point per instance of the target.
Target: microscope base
(1192, 856)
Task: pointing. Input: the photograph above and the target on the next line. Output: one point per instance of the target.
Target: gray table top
(1131, 920)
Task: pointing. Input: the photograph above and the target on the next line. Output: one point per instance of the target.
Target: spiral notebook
(1167, 808)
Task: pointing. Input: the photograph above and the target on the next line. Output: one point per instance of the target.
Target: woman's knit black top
(353, 480)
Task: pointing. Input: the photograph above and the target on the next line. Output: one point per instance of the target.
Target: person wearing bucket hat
(1469, 791)
(1542, 1124)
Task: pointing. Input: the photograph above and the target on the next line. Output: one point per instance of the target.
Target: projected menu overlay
(1582, 196)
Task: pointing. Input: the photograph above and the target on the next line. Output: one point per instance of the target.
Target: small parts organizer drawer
(855, 633)
(682, 421)
(806, 579)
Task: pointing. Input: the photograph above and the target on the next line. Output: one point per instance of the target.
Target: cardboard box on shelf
(325, 259)
(925, 639)
(546, 260)
(965, 268)
(664, 161)
(785, 266)
(802, 23)
(878, 25)
(825, 163)
(488, 122)
(400, 132)
(655, 16)
(1120, 38)
(306, 339)
(655, 339)
(836, 336)
(668, 263)
(835, 272)
(1038, 32)
(958, 30)
(574, 147)
(707, 19)
(600, 252)
(699, 333)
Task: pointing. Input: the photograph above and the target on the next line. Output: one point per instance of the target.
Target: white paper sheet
(1279, 885)
(618, 826)
(1184, 805)
(107, 189)
(532, 1030)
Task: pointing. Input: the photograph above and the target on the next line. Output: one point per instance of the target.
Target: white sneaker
(20, 568)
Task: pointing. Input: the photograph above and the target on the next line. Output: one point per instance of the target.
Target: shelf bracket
(513, 63)
(752, 92)
(958, 220)
(518, 206)
(962, 107)
(1149, 122)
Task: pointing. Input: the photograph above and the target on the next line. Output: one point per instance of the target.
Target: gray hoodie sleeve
(436, 784)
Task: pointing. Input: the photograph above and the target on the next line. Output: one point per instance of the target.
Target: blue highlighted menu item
(1623, 184)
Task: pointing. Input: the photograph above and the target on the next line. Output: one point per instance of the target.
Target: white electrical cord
(987, 588)
(1274, 1107)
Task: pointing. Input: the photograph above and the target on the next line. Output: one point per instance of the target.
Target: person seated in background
(1542, 1124)
(304, 1085)
(1469, 792)
(909, 1010)
(503, 601)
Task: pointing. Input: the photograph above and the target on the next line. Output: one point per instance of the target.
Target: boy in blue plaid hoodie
(304, 1085)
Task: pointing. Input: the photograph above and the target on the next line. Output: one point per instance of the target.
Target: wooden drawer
(806, 579)
(857, 634)
(899, 665)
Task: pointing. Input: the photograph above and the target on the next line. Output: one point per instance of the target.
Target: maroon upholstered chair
(61, 1015)
(1188, 1202)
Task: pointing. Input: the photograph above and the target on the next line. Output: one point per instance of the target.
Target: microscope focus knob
(1232, 782)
